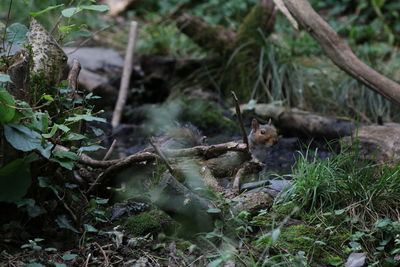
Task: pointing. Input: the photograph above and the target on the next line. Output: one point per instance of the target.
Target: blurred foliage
(364, 19)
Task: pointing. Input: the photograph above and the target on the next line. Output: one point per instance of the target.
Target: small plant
(34, 245)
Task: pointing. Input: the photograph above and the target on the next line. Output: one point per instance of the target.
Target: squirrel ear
(269, 121)
(254, 124)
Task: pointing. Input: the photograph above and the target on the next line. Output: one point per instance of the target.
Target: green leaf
(50, 8)
(33, 265)
(7, 113)
(69, 12)
(74, 137)
(4, 78)
(15, 179)
(22, 138)
(90, 228)
(48, 98)
(16, 34)
(63, 222)
(68, 257)
(85, 118)
(68, 164)
(65, 155)
(39, 121)
(57, 264)
(100, 8)
(90, 148)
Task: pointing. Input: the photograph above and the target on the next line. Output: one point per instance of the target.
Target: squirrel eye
(262, 131)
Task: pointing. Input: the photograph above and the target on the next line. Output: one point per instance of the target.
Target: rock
(249, 186)
(279, 185)
(380, 143)
(48, 57)
(95, 59)
(253, 202)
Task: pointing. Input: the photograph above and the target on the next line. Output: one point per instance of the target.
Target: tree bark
(339, 52)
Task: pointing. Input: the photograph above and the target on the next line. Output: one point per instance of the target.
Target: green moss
(254, 22)
(153, 221)
(207, 115)
(320, 246)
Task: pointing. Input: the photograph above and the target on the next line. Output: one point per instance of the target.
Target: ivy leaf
(69, 12)
(63, 222)
(15, 179)
(16, 34)
(7, 113)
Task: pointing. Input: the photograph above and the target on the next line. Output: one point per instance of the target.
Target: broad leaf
(25, 139)
(7, 113)
(22, 138)
(16, 34)
(69, 12)
(15, 179)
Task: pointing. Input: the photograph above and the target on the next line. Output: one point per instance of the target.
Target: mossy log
(212, 37)
(294, 121)
(380, 143)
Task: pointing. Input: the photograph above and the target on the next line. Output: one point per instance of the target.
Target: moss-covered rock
(154, 221)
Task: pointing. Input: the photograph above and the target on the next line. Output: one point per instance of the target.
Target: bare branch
(339, 52)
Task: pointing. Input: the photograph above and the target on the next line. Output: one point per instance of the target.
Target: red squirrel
(261, 137)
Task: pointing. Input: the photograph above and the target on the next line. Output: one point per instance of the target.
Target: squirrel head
(263, 134)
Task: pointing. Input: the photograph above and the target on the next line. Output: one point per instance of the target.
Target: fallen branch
(299, 122)
(339, 52)
(120, 165)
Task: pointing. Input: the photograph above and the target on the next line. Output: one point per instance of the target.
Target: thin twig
(5, 27)
(110, 150)
(87, 40)
(107, 262)
(239, 116)
(20, 108)
(126, 76)
(73, 77)
(161, 155)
